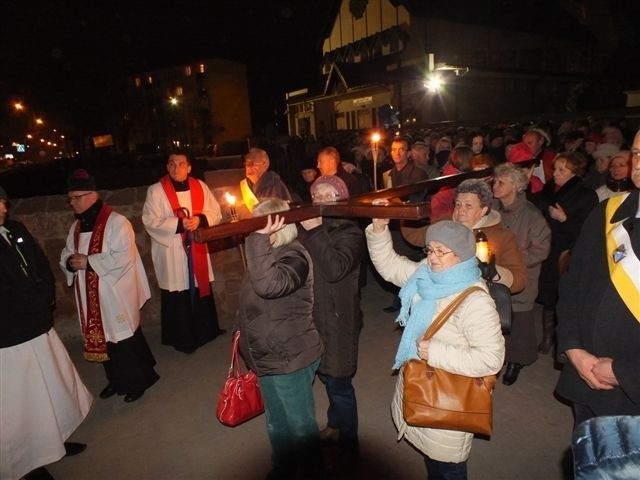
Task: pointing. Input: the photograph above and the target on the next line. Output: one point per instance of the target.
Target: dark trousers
(130, 365)
(342, 413)
(187, 323)
(581, 413)
(445, 470)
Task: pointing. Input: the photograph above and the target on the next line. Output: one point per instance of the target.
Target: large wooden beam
(426, 186)
(358, 206)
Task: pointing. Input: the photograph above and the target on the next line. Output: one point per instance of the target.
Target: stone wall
(49, 218)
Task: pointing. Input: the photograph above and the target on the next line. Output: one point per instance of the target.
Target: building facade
(381, 55)
(203, 106)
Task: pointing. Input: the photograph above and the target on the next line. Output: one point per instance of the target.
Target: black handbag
(502, 297)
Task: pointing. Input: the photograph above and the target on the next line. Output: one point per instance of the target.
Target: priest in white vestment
(176, 206)
(101, 262)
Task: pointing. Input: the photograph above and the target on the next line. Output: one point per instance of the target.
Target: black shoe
(73, 448)
(39, 473)
(107, 391)
(511, 373)
(132, 397)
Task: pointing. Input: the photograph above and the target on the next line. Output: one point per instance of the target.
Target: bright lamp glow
(173, 101)
(433, 84)
(375, 138)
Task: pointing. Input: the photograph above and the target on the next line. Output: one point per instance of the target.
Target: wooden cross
(357, 206)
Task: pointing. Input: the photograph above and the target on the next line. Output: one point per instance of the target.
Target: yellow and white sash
(625, 273)
(248, 197)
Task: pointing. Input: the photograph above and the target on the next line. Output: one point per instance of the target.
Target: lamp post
(375, 139)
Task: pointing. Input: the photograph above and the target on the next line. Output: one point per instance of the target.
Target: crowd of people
(560, 215)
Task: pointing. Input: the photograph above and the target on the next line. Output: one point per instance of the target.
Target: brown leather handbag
(435, 398)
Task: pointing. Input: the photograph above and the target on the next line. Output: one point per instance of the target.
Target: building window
(202, 68)
(138, 82)
(179, 91)
(187, 71)
(149, 79)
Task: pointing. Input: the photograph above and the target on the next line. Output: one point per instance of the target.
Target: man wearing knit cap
(42, 398)
(101, 262)
(176, 206)
(336, 246)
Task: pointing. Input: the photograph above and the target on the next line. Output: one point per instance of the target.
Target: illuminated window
(149, 79)
(138, 82)
(178, 91)
(202, 68)
(187, 71)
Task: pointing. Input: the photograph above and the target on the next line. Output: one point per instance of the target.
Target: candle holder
(233, 212)
(231, 201)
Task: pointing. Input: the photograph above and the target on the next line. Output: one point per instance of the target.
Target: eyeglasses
(438, 253)
(73, 198)
(324, 197)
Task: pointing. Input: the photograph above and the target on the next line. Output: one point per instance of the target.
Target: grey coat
(534, 242)
(277, 333)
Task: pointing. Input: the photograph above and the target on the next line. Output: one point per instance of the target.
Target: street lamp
(433, 83)
(18, 106)
(375, 139)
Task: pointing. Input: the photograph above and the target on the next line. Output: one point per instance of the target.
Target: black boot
(511, 373)
(548, 330)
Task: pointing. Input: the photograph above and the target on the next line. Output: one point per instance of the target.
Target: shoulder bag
(435, 398)
(240, 399)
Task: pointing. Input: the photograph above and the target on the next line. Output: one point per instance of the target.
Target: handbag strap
(444, 315)
(235, 362)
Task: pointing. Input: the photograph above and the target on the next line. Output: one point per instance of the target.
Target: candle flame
(231, 199)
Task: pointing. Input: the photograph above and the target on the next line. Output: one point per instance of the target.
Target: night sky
(57, 56)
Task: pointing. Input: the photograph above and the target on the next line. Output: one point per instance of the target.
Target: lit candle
(482, 247)
(231, 200)
(375, 138)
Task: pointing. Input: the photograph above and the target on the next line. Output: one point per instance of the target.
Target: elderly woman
(619, 177)
(279, 340)
(336, 246)
(470, 342)
(534, 240)
(565, 203)
(472, 208)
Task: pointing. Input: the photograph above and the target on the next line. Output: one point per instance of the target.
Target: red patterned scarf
(95, 344)
(199, 251)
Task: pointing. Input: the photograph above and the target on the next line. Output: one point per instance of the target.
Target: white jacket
(470, 343)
